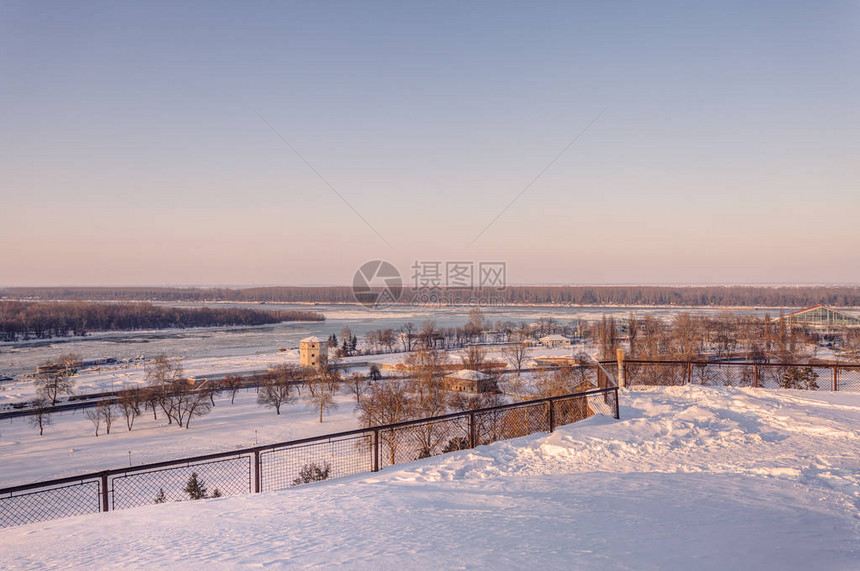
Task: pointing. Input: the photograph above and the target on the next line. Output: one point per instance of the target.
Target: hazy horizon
(407, 284)
(152, 143)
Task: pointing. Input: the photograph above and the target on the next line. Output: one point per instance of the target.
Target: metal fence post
(617, 408)
(689, 372)
(835, 378)
(551, 413)
(472, 439)
(104, 486)
(755, 375)
(375, 466)
(258, 485)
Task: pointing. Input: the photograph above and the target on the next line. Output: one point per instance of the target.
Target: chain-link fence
(807, 376)
(214, 478)
(287, 464)
(47, 502)
(848, 378)
(313, 460)
(406, 443)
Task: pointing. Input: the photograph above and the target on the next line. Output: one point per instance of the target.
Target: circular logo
(377, 284)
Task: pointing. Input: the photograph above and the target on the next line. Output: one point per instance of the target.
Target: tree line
(41, 320)
(731, 295)
(727, 336)
(428, 335)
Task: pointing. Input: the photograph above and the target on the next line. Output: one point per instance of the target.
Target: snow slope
(690, 478)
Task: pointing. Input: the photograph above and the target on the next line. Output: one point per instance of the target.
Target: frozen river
(17, 358)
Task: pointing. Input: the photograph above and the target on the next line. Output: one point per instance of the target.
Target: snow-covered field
(119, 376)
(690, 478)
(69, 446)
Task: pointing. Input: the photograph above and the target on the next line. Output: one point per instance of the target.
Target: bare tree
(183, 401)
(53, 382)
(428, 333)
(94, 415)
(386, 403)
(129, 404)
(685, 330)
(429, 399)
(162, 370)
(474, 357)
(512, 385)
(607, 338)
(555, 383)
(407, 336)
(425, 364)
(322, 390)
(41, 416)
(232, 383)
(516, 354)
(177, 396)
(165, 375)
(151, 397)
(168, 401)
(211, 389)
(476, 324)
(632, 332)
(851, 343)
(195, 403)
(427, 394)
(279, 387)
(358, 385)
(106, 411)
(464, 401)
(388, 339)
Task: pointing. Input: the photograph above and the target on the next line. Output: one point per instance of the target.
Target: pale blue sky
(132, 153)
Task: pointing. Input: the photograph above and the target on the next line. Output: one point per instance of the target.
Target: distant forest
(41, 320)
(754, 296)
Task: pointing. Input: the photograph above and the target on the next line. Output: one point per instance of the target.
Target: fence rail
(286, 464)
(809, 376)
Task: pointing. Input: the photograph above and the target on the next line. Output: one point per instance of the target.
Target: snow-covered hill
(690, 478)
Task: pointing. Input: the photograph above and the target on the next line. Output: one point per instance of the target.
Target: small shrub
(313, 472)
(457, 443)
(195, 488)
(796, 378)
(375, 374)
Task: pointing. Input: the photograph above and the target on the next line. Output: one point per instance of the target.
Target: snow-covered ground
(70, 447)
(690, 478)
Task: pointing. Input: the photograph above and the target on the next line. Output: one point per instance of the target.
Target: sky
(161, 143)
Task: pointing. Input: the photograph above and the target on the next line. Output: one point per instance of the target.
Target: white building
(313, 352)
(469, 381)
(555, 341)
